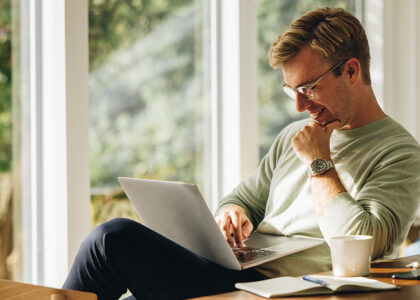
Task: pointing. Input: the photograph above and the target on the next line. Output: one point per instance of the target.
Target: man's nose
(301, 102)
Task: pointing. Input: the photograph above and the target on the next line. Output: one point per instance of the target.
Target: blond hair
(333, 32)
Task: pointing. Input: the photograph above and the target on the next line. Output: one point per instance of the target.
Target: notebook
(177, 211)
(292, 286)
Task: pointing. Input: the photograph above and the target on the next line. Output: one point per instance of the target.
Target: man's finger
(237, 227)
(246, 229)
(231, 241)
(225, 226)
(331, 126)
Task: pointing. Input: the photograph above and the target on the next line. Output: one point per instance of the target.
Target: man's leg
(123, 254)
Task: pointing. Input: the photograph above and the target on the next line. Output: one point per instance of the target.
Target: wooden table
(381, 270)
(12, 290)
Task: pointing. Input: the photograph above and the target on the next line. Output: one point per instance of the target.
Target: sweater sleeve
(252, 193)
(383, 208)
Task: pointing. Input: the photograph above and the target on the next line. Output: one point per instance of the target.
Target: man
(373, 188)
(363, 179)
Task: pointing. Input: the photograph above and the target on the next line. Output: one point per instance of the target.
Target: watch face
(319, 166)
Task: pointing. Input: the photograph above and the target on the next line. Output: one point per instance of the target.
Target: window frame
(65, 128)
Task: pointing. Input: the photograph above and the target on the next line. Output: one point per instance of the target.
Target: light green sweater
(379, 164)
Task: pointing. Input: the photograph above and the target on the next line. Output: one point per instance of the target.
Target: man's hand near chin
(313, 141)
(232, 220)
(310, 143)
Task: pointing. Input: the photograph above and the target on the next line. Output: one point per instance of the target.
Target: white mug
(351, 255)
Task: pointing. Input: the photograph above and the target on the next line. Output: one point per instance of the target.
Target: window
(276, 110)
(147, 92)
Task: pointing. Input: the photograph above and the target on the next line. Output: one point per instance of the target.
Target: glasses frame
(307, 91)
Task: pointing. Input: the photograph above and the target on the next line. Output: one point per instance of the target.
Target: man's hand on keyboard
(234, 224)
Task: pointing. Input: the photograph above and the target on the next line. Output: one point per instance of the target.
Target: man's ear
(352, 70)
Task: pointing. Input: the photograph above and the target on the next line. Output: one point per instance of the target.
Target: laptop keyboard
(245, 254)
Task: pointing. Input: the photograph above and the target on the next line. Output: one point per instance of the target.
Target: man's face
(332, 101)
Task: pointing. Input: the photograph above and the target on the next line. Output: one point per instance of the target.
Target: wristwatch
(320, 166)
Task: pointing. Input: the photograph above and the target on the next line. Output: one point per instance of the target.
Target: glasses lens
(305, 91)
(289, 92)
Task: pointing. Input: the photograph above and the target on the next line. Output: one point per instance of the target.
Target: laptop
(178, 211)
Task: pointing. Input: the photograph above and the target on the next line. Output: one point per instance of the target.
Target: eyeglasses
(307, 91)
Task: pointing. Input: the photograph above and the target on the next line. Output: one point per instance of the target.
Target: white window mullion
(77, 111)
(27, 190)
(65, 134)
(248, 88)
(239, 92)
(23, 208)
(215, 102)
(35, 95)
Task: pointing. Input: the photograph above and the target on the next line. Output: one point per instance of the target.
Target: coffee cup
(351, 255)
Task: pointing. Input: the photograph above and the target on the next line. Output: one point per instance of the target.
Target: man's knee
(110, 233)
(115, 226)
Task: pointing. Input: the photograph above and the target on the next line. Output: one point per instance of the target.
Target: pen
(311, 279)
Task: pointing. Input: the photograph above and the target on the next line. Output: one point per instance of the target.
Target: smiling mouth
(315, 116)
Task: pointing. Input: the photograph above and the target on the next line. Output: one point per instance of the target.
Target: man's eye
(304, 90)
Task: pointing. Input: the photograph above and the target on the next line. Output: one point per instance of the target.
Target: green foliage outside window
(6, 230)
(5, 87)
(146, 100)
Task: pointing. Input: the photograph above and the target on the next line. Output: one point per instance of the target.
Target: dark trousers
(122, 254)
